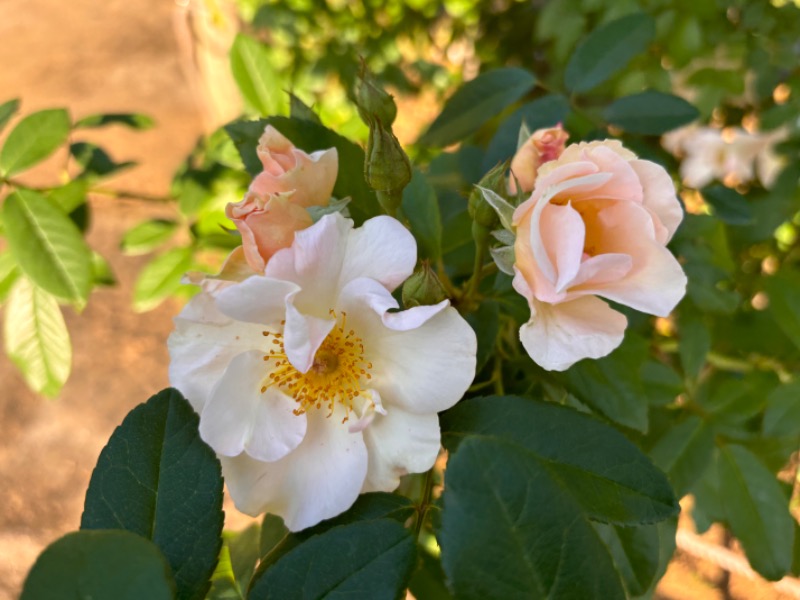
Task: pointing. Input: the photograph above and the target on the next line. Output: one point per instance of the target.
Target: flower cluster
(313, 386)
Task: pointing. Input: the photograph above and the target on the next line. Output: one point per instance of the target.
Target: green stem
(422, 508)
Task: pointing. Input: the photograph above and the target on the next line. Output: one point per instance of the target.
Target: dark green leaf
(132, 120)
(476, 102)
(782, 416)
(661, 383)
(428, 581)
(160, 278)
(609, 477)
(34, 138)
(650, 113)
(36, 338)
(486, 323)
(300, 110)
(421, 208)
(257, 80)
(370, 559)
(784, 302)
(7, 110)
(613, 385)
(636, 552)
(157, 478)
(684, 452)
(99, 565)
(694, 344)
(546, 111)
(607, 50)
(147, 236)
(729, 205)
(757, 511)
(510, 530)
(309, 136)
(94, 161)
(272, 532)
(48, 246)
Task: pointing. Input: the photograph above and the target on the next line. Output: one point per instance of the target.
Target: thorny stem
(424, 504)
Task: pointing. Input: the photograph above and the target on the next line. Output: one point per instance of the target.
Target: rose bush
(596, 225)
(276, 201)
(309, 386)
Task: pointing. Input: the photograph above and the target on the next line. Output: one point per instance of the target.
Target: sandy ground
(111, 56)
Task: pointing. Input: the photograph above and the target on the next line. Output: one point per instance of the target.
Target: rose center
(338, 372)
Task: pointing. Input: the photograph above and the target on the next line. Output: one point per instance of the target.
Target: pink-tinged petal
(573, 175)
(249, 243)
(559, 335)
(314, 261)
(314, 177)
(319, 480)
(423, 370)
(659, 196)
(528, 268)
(601, 269)
(656, 282)
(399, 443)
(381, 249)
(239, 417)
(201, 346)
(302, 337)
(367, 294)
(625, 184)
(266, 231)
(257, 299)
(563, 235)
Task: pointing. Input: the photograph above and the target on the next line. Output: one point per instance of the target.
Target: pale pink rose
(274, 207)
(596, 224)
(543, 146)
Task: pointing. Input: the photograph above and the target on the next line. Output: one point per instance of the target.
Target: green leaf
(650, 113)
(546, 111)
(783, 290)
(476, 102)
(158, 479)
(101, 271)
(99, 564)
(684, 452)
(609, 478)
(782, 415)
(257, 80)
(421, 208)
(48, 246)
(486, 323)
(636, 552)
(428, 581)
(300, 110)
(309, 136)
(729, 205)
(237, 562)
(132, 120)
(34, 138)
(94, 161)
(608, 50)
(147, 236)
(7, 110)
(272, 532)
(9, 272)
(371, 559)
(694, 344)
(613, 384)
(36, 338)
(160, 278)
(511, 530)
(757, 511)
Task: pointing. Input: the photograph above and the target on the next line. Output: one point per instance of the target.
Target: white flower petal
(302, 336)
(257, 299)
(202, 345)
(238, 417)
(399, 442)
(381, 249)
(559, 335)
(319, 480)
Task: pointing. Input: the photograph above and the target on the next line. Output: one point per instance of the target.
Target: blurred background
(188, 66)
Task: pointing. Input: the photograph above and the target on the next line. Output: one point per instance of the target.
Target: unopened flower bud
(387, 168)
(373, 102)
(479, 209)
(423, 288)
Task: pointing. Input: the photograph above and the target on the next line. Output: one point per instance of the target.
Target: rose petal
(302, 337)
(398, 443)
(563, 235)
(659, 196)
(257, 299)
(559, 335)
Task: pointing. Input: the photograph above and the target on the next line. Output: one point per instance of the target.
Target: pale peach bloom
(543, 146)
(596, 224)
(274, 207)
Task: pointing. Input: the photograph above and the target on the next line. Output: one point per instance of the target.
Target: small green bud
(481, 211)
(387, 168)
(423, 288)
(372, 101)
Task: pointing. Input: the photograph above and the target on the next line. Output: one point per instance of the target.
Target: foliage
(558, 485)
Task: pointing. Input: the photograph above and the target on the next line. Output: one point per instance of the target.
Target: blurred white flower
(310, 386)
